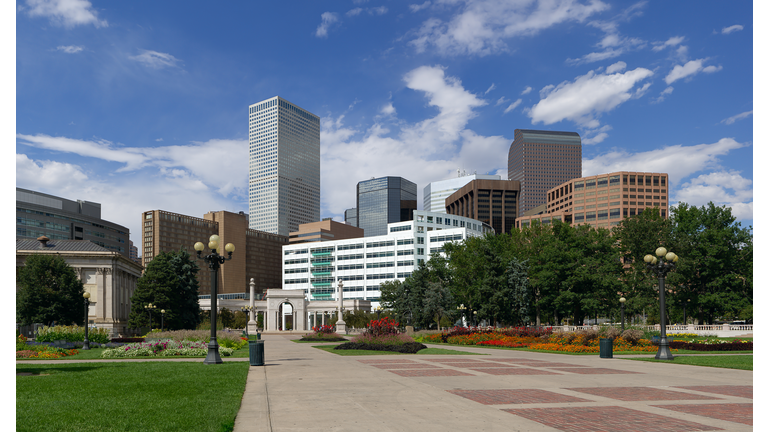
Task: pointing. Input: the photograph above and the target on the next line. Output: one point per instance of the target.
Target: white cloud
(501, 101)
(677, 160)
(47, 174)
(493, 86)
(67, 13)
(599, 135)
(665, 92)
(526, 90)
(513, 105)
(381, 10)
(418, 7)
(733, 119)
(159, 139)
(721, 188)
(328, 19)
(733, 28)
(388, 109)
(689, 69)
(671, 42)
(354, 12)
(586, 97)
(155, 60)
(596, 56)
(436, 145)
(481, 27)
(70, 49)
(616, 67)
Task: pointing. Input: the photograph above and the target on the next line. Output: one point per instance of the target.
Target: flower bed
(736, 345)
(163, 348)
(382, 335)
(26, 349)
(71, 334)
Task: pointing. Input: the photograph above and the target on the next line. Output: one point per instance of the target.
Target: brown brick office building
(257, 255)
(494, 202)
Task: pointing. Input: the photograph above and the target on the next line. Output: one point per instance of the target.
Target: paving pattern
(515, 396)
(735, 412)
(593, 371)
(606, 419)
(405, 366)
(428, 372)
(514, 371)
(378, 361)
(641, 394)
(738, 391)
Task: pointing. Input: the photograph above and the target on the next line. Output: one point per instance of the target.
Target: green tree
(714, 268)
(517, 281)
(49, 290)
(169, 282)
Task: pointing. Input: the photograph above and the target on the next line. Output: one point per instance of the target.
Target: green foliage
(169, 282)
(241, 320)
(49, 290)
(71, 334)
(226, 317)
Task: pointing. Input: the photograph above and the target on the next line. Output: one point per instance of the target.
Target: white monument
(341, 326)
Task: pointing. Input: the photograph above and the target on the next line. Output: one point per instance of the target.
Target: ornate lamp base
(213, 353)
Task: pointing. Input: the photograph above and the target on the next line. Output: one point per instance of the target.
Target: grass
(724, 361)
(426, 351)
(120, 396)
(679, 351)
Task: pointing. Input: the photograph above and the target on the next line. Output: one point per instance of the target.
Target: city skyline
(140, 110)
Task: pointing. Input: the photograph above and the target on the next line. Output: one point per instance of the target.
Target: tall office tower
(541, 160)
(493, 202)
(284, 166)
(350, 217)
(384, 200)
(436, 192)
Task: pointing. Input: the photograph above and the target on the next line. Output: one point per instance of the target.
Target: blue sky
(144, 105)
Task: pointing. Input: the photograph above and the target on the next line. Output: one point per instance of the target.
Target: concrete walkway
(302, 388)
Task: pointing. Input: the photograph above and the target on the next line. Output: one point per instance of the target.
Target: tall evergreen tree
(49, 290)
(169, 282)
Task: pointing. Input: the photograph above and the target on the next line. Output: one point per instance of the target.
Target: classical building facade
(108, 276)
(284, 166)
(603, 200)
(493, 202)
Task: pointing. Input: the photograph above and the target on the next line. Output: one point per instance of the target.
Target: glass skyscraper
(384, 200)
(284, 166)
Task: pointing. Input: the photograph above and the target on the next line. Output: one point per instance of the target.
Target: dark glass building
(350, 216)
(384, 200)
(39, 214)
(540, 161)
(491, 201)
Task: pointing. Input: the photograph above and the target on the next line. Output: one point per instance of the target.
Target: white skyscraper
(284, 166)
(436, 192)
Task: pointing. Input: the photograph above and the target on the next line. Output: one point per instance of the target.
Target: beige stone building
(110, 277)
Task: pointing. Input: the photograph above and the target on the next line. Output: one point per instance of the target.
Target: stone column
(252, 327)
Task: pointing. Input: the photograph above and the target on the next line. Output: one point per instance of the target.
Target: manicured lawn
(725, 361)
(440, 351)
(122, 396)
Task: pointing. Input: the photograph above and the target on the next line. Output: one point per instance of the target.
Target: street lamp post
(86, 297)
(462, 308)
(660, 267)
(162, 319)
(685, 318)
(475, 314)
(214, 261)
(378, 312)
(622, 300)
(149, 308)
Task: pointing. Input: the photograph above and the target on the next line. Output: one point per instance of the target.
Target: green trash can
(256, 352)
(606, 348)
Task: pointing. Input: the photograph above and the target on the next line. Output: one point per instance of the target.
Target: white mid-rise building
(284, 166)
(436, 192)
(364, 263)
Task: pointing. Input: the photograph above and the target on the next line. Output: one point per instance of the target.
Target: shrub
(632, 335)
(159, 348)
(322, 337)
(385, 339)
(736, 345)
(325, 329)
(610, 332)
(406, 348)
(71, 334)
